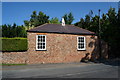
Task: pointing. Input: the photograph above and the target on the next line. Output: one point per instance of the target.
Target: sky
(17, 12)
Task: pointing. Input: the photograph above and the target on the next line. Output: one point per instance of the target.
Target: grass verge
(12, 64)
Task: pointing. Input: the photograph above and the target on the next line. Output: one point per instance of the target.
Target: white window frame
(37, 42)
(84, 43)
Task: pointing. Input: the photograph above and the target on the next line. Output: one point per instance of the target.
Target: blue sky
(17, 12)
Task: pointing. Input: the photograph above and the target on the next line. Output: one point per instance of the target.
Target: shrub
(14, 44)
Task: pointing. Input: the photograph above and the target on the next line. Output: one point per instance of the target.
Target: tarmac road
(68, 70)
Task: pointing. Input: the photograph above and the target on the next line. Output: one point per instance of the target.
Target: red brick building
(56, 43)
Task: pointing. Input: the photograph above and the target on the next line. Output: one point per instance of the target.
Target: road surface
(68, 70)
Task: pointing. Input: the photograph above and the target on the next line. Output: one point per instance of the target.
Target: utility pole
(118, 7)
(99, 36)
(119, 11)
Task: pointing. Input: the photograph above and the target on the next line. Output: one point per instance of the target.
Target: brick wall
(61, 48)
(14, 57)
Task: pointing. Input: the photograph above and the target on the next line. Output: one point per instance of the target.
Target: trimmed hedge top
(14, 44)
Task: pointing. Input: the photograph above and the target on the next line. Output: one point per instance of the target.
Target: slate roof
(58, 28)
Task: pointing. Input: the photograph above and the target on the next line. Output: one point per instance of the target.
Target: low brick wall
(14, 57)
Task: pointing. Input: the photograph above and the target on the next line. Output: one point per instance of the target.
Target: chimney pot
(63, 22)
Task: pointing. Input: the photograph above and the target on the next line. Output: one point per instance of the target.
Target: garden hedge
(14, 44)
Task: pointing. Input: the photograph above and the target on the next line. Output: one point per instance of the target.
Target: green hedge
(14, 44)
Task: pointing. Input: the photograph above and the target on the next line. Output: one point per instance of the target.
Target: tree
(27, 24)
(85, 23)
(90, 14)
(42, 18)
(13, 31)
(37, 20)
(22, 32)
(110, 29)
(68, 18)
(87, 19)
(0, 30)
(33, 19)
(9, 31)
(80, 23)
(94, 24)
(55, 20)
(113, 32)
(104, 26)
(4, 30)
